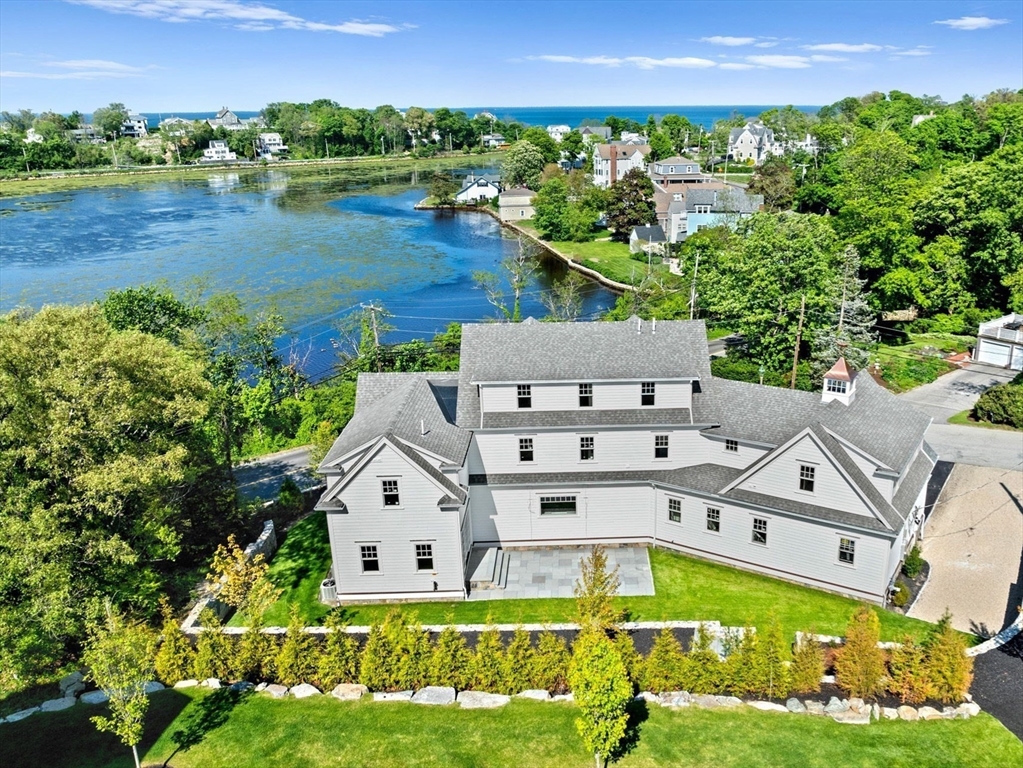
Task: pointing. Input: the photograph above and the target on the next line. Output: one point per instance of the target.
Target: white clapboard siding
(884, 484)
(780, 477)
(394, 531)
(711, 450)
(565, 396)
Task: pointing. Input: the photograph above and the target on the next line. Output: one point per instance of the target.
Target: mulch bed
(998, 684)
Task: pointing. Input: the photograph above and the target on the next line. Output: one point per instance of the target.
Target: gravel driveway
(973, 541)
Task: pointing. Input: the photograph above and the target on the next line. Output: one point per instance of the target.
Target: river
(312, 243)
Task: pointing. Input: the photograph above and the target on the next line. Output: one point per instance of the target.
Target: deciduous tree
(630, 204)
(522, 166)
(602, 692)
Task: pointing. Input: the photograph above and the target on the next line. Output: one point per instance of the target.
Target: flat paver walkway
(973, 542)
(553, 572)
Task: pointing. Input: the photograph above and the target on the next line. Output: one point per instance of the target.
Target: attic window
(585, 395)
(390, 491)
(525, 394)
(836, 385)
(807, 477)
(646, 390)
(732, 446)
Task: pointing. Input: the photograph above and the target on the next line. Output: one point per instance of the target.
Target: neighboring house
(714, 207)
(135, 127)
(516, 204)
(671, 172)
(174, 126)
(757, 142)
(1000, 342)
(558, 132)
(492, 140)
(271, 145)
(631, 137)
(86, 134)
(595, 134)
(917, 119)
(612, 161)
(649, 240)
(567, 434)
(229, 121)
(482, 187)
(217, 152)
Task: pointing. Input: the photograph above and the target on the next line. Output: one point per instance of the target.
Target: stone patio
(553, 572)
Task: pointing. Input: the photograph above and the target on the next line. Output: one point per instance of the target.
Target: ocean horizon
(705, 115)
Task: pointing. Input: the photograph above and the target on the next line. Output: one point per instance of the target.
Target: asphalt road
(261, 478)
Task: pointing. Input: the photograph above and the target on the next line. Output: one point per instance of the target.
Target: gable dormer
(839, 383)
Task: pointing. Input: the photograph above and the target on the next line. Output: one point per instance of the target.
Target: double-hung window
(551, 506)
(370, 558)
(585, 395)
(525, 395)
(714, 519)
(390, 491)
(660, 446)
(846, 551)
(525, 449)
(585, 449)
(646, 393)
(807, 476)
(675, 510)
(759, 530)
(424, 557)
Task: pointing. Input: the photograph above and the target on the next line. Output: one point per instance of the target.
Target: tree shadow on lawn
(303, 553)
(207, 715)
(638, 714)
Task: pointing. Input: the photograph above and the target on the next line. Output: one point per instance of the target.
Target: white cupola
(839, 383)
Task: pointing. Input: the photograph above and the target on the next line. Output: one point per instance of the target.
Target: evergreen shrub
(174, 659)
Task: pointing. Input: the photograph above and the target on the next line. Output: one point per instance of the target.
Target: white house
(475, 188)
(516, 204)
(217, 152)
(650, 240)
(174, 126)
(595, 134)
(558, 132)
(757, 142)
(271, 145)
(564, 434)
(135, 126)
(492, 140)
(229, 121)
(1000, 342)
(612, 161)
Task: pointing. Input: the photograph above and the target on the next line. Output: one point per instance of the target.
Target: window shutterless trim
(674, 510)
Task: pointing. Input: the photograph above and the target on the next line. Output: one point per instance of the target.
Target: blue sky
(198, 55)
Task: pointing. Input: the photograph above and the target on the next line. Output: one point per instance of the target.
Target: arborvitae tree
(550, 663)
(486, 668)
(175, 656)
(213, 649)
(947, 667)
(339, 658)
(254, 654)
(295, 661)
(519, 662)
(602, 693)
(449, 662)
(375, 660)
(807, 664)
(771, 651)
(663, 668)
(745, 671)
(595, 591)
(412, 654)
(860, 664)
(704, 670)
(907, 677)
(630, 656)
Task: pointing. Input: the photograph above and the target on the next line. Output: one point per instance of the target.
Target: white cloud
(778, 61)
(93, 64)
(246, 16)
(81, 69)
(972, 22)
(736, 65)
(641, 62)
(920, 50)
(727, 40)
(845, 47)
(823, 57)
(765, 44)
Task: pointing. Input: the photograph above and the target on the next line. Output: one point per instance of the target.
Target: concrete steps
(488, 569)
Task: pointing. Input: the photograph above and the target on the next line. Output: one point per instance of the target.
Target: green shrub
(175, 657)
(487, 665)
(630, 656)
(947, 668)
(807, 665)
(737, 368)
(665, 667)
(255, 655)
(907, 676)
(704, 671)
(338, 661)
(518, 663)
(860, 664)
(214, 650)
(296, 658)
(913, 563)
(771, 661)
(412, 654)
(550, 663)
(900, 597)
(1002, 404)
(375, 659)
(744, 670)
(289, 497)
(450, 659)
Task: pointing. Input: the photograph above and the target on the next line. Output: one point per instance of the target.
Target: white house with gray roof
(566, 434)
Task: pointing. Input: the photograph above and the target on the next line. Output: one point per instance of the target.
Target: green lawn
(259, 731)
(686, 589)
(612, 260)
(965, 418)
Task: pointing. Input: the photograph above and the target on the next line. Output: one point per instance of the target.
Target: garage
(1000, 342)
(994, 353)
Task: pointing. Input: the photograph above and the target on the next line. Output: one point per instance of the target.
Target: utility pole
(326, 146)
(28, 168)
(373, 309)
(799, 338)
(692, 291)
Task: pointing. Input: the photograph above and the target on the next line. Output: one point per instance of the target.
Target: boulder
(907, 712)
(648, 697)
(434, 694)
(767, 706)
(242, 685)
(394, 696)
(211, 682)
(55, 705)
(74, 689)
(563, 697)
(968, 709)
(948, 713)
(186, 683)
(675, 699)
(852, 716)
(94, 697)
(152, 686)
(856, 704)
(875, 711)
(349, 692)
(261, 687)
(22, 714)
(482, 700)
(73, 679)
(536, 694)
(304, 691)
(276, 691)
(712, 702)
(929, 713)
(795, 705)
(889, 713)
(814, 707)
(834, 706)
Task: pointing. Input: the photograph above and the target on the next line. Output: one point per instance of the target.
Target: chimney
(839, 383)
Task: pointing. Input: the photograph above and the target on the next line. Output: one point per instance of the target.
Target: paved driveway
(261, 478)
(955, 391)
(973, 541)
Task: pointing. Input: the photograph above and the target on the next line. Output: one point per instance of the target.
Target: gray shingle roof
(809, 510)
(887, 512)
(588, 417)
(652, 234)
(916, 478)
(730, 200)
(403, 406)
(708, 478)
